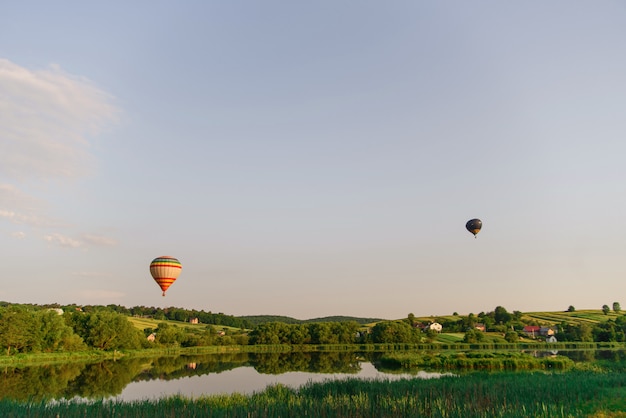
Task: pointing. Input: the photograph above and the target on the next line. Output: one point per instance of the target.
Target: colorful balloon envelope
(474, 225)
(165, 270)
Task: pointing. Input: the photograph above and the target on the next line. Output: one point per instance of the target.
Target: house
(151, 337)
(435, 326)
(547, 331)
(480, 327)
(551, 339)
(532, 330)
(194, 321)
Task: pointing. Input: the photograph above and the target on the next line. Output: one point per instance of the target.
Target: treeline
(337, 333)
(27, 330)
(171, 313)
(42, 329)
(37, 329)
(263, 319)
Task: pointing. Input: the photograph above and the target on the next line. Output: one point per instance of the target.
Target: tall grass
(528, 394)
(479, 360)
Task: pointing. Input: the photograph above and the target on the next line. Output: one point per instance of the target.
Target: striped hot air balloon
(164, 271)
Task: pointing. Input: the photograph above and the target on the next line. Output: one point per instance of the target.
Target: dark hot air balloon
(474, 225)
(165, 270)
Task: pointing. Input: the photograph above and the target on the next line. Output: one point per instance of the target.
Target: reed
(505, 394)
(479, 360)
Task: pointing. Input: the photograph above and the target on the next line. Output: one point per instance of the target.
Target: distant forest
(204, 317)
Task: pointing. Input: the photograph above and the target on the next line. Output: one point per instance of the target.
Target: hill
(262, 319)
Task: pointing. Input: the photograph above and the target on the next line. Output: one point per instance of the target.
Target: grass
(520, 394)
(143, 323)
(478, 360)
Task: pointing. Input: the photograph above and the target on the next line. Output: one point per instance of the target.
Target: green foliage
(511, 336)
(473, 336)
(34, 331)
(106, 330)
(395, 332)
(256, 320)
(273, 333)
(478, 360)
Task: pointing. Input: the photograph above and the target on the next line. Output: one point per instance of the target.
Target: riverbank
(536, 394)
(97, 355)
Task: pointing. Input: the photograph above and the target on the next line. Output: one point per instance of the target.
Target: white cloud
(63, 241)
(21, 208)
(18, 234)
(86, 240)
(98, 240)
(46, 117)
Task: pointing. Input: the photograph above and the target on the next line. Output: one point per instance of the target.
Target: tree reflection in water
(111, 378)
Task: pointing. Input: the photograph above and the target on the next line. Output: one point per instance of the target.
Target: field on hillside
(143, 323)
(548, 318)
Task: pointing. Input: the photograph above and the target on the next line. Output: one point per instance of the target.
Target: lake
(130, 379)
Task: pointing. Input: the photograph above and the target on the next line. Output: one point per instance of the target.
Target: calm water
(194, 376)
(245, 380)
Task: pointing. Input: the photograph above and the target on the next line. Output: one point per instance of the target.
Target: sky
(311, 159)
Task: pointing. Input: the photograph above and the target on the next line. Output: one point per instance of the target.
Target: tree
(501, 316)
(511, 336)
(51, 333)
(106, 330)
(571, 309)
(606, 309)
(473, 336)
(15, 329)
(616, 307)
(395, 332)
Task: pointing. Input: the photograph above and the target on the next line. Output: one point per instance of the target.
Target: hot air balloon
(164, 271)
(474, 225)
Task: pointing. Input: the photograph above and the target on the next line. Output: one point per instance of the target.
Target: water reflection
(140, 378)
(245, 380)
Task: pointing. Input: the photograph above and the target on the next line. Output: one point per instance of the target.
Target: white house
(435, 326)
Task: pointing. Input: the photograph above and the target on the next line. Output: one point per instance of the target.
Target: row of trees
(28, 329)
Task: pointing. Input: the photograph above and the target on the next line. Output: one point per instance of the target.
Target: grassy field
(143, 323)
(547, 318)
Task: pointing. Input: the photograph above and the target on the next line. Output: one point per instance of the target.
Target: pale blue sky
(314, 158)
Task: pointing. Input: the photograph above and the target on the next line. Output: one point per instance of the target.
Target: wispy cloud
(63, 241)
(21, 208)
(98, 240)
(86, 240)
(47, 119)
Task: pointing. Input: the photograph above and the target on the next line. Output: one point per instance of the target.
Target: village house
(531, 330)
(435, 326)
(534, 331)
